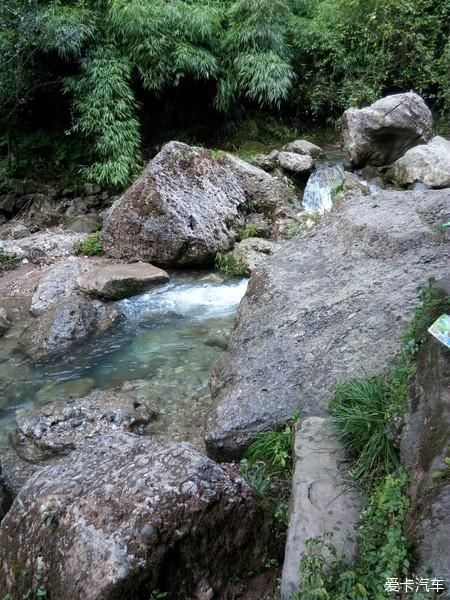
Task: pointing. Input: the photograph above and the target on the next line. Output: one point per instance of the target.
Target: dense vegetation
(110, 73)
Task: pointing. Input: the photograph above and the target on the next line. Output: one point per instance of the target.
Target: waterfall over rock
(318, 196)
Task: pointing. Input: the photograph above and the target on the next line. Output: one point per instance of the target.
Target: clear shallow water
(162, 350)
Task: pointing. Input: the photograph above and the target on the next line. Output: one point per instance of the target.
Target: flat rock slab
(124, 516)
(316, 312)
(113, 282)
(322, 500)
(63, 425)
(44, 247)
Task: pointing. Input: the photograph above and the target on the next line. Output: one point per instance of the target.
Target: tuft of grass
(91, 246)
(249, 231)
(362, 411)
(8, 261)
(227, 264)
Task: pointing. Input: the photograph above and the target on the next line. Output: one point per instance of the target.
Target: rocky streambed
(100, 392)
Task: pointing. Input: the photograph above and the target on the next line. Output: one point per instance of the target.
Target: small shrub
(227, 263)
(249, 231)
(91, 246)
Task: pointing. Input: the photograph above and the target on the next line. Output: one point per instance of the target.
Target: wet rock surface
(113, 282)
(187, 206)
(65, 324)
(129, 516)
(323, 498)
(314, 312)
(381, 133)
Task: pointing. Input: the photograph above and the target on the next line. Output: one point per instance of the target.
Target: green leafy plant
(91, 246)
(274, 449)
(248, 231)
(227, 263)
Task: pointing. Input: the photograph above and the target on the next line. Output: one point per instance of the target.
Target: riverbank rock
(428, 164)
(57, 283)
(114, 282)
(324, 500)
(4, 321)
(298, 164)
(125, 516)
(425, 453)
(187, 206)
(253, 251)
(313, 313)
(44, 247)
(305, 148)
(382, 132)
(61, 426)
(65, 324)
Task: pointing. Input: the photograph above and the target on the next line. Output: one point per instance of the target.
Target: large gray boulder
(382, 132)
(117, 281)
(323, 500)
(187, 206)
(65, 324)
(427, 163)
(125, 516)
(314, 313)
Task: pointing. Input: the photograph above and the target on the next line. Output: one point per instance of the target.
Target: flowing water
(322, 184)
(162, 349)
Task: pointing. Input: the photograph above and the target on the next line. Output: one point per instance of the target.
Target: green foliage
(362, 410)
(227, 263)
(91, 246)
(106, 108)
(383, 551)
(319, 57)
(432, 305)
(249, 231)
(274, 449)
(8, 261)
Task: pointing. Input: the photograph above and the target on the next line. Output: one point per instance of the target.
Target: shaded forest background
(91, 87)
